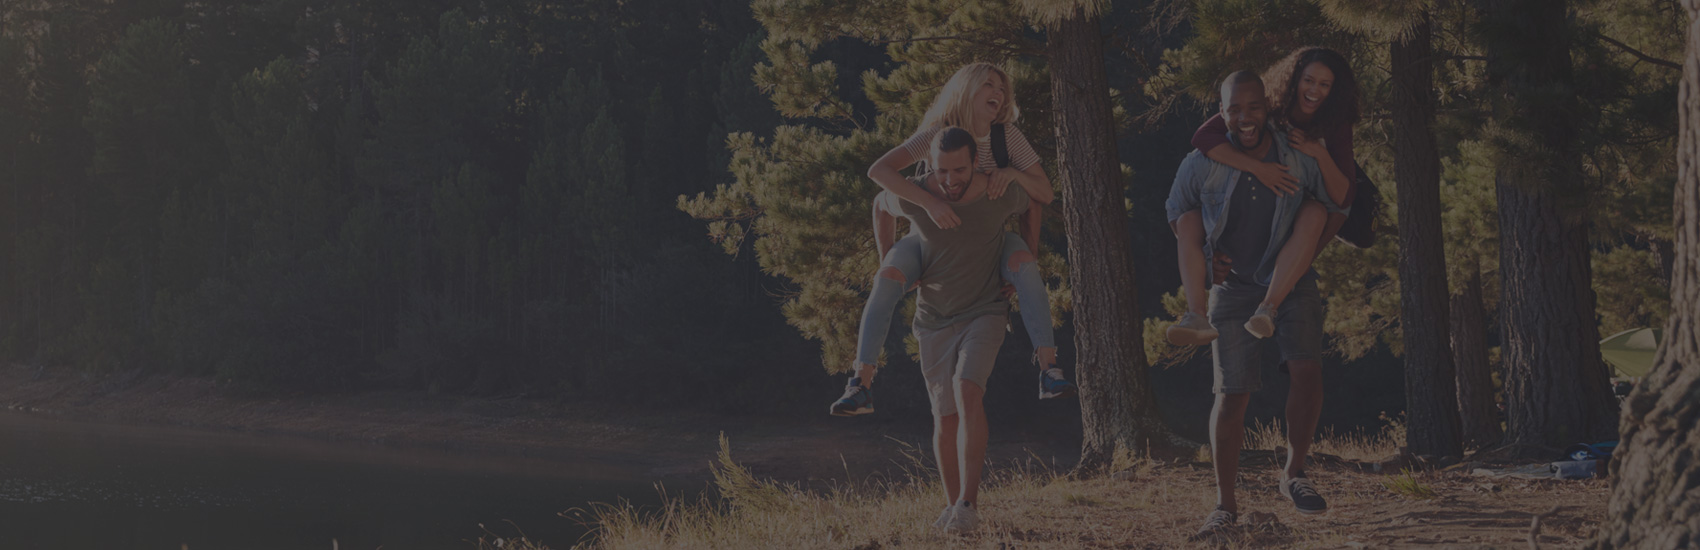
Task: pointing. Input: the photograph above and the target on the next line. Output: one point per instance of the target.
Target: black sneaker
(1052, 385)
(1304, 496)
(857, 399)
(1216, 521)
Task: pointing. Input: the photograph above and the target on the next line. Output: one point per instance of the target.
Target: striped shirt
(1021, 154)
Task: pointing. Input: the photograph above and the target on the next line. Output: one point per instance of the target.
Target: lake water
(68, 485)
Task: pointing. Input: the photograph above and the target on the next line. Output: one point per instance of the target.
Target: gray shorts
(966, 350)
(1238, 356)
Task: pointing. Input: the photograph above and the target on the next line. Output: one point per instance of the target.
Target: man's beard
(953, 192)
(1234, 138)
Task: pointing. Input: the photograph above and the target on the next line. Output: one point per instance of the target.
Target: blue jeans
(905, 256)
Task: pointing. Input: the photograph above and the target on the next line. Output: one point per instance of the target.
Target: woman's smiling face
(1314, 84)
(990, 97)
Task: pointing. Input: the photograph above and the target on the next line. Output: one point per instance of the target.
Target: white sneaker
(944, 517)
(965, 520)
(1262, 323)
(1191, 330)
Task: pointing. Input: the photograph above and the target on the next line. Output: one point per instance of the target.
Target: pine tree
(802, 197)
(1471, 222)
(143, 122)
(1118, 410)
(1653, 504)
(1556, 383)
(1431, 407)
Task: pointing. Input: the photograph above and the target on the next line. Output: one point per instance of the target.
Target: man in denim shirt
(1249, 225)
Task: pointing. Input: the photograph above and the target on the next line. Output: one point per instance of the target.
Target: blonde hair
(954, 104)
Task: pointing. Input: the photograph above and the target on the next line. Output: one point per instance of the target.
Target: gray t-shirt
(1251, 215)
(961, 280)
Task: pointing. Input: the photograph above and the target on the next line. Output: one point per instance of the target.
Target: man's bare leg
(1227, 435)
(974, 434)
(1304, 408)
(945, 430)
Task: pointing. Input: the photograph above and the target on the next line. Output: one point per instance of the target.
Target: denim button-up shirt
(1205, 185)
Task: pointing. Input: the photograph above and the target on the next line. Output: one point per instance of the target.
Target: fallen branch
(1535, 527)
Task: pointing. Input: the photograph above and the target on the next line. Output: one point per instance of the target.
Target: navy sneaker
(1053, 386)
(857, 399)
(1304, 496)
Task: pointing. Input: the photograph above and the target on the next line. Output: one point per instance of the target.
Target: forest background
(660, 203)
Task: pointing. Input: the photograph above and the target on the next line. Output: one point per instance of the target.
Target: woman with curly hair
(1315, 95)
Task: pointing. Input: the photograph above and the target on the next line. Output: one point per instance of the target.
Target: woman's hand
(1312, 147)
(942, 214)
(1275, 177)
(998, 181)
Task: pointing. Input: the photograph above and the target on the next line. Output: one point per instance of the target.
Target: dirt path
(1466, 512)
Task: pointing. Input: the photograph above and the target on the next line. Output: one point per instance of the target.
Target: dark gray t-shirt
(1251, 214)
(960, 280)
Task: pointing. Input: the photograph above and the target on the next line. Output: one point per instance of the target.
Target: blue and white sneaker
(1052, 385)
(857, 399)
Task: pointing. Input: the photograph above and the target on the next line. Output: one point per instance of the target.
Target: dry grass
(1367, 446)
(1148, 505)
(1406, 483)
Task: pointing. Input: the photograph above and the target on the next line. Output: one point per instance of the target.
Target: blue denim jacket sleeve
(1184, 194)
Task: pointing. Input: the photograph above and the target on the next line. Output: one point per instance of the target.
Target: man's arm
(885, 172)
(1184, 192)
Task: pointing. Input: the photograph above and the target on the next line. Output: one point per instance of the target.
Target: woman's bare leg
(1297, 254)
(1290, 265)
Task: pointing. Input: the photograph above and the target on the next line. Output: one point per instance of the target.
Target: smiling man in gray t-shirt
(960, 311)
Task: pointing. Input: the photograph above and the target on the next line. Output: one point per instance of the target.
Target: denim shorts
(1238, 356)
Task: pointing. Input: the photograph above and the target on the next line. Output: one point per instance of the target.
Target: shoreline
(659, 445)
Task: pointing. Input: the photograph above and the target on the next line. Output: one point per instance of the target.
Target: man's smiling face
(955, 170)
(1245, 110)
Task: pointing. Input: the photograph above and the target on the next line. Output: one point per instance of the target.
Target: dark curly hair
(1341, 107)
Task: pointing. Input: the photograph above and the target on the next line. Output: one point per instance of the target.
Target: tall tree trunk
(1431, 405)
(1118, 410)
(1557, 391)
(1476, 406)
(1653, 502)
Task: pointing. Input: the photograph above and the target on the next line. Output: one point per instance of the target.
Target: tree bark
(1477, 411)
(1431, 405)
(1557, 390)
(1118, 411)
(1653, 502)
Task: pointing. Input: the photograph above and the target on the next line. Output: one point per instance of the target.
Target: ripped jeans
(905, 256)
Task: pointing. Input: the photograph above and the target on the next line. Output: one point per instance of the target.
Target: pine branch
(1637, 53)
(1016, 50)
